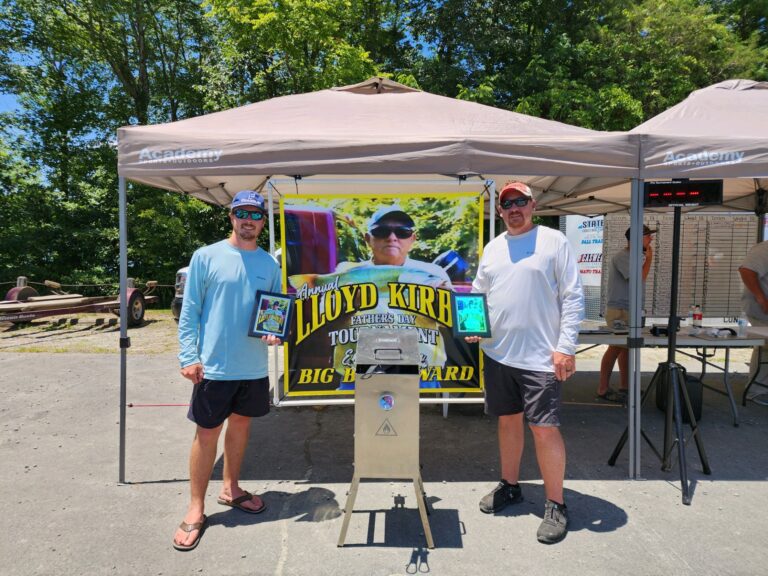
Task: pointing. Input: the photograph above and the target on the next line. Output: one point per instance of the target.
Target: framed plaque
(271, 315)
(470, 315)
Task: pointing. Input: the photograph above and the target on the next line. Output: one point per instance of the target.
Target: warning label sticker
(386, 429)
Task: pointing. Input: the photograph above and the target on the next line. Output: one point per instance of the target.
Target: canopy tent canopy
(375, 131)
(379, 136)
(378, 129)
(344, 140)
(715, 133)
(718, 132)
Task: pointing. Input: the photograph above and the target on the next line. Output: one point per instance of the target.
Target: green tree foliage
(26, 219)
(293, 46)
(58, 131)
(166, 228)
(153, 49)
(603, 65)
(747, 18)
(661, 50)
(79, 69)
(381, 28)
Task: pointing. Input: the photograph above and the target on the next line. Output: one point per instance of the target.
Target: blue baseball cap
(248, 198)
(393, 212)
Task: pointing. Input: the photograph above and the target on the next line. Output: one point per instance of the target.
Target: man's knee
(510, 421)
(545, 432)
(238, 421)
(207, 435)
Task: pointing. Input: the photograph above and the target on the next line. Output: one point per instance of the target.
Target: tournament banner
(384, 261)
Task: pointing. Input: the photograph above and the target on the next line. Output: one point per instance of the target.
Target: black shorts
(214, 400)
(511, 390)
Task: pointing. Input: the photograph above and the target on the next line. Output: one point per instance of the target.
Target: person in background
(535, 305)
(228, 368)
(754, 303)
(617, 311)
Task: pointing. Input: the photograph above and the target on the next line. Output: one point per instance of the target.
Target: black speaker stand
(672, 375)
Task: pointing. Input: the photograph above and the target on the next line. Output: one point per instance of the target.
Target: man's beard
(246, 234)
(518, 221)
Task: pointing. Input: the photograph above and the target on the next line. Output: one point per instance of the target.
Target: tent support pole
(491, 212)
(124, 340)
(635, 341)
(271, 220)
(275, 356)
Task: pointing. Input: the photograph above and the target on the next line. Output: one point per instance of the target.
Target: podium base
(421, 501)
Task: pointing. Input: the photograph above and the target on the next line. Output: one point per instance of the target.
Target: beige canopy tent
(375, 136)
(717, 132)
(378, 129)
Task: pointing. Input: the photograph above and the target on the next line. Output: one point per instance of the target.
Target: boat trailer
(22, 303)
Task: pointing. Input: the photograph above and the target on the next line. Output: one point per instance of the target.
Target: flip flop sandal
(612, 395)
(199, 526)
(238, 503)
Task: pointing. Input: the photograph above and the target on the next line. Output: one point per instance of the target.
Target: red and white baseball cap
(515, 186)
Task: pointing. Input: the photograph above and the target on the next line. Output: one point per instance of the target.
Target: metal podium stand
(387, 415)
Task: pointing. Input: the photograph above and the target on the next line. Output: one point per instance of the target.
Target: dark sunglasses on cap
(401, 232)
(520, 201)
(242, 214)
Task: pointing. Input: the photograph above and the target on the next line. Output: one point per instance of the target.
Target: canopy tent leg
(275, 354)
(124, 340)
(634, 405)
(491, 184)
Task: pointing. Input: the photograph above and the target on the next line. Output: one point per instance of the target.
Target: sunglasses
(241, 214)
(519, 202)
(401, 232)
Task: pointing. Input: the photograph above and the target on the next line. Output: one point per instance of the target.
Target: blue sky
(7, 102)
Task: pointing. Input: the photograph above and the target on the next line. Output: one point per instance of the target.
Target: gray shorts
(512, 390)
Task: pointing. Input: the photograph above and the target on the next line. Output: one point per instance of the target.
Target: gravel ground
(66, 514)
(90, 333)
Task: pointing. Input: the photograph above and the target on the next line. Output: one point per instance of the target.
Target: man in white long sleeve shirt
(754, 302)
(535, 305)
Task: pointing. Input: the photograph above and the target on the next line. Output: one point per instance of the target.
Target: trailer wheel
(21, 294)
(136, 307)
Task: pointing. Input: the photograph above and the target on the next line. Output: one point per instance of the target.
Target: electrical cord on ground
(132, 405)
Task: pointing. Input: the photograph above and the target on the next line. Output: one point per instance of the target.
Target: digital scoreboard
(671, 193)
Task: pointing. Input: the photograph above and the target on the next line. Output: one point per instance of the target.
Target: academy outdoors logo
(180, 155)
(703, 158)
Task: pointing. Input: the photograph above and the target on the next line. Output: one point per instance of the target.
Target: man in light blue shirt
(229, 369)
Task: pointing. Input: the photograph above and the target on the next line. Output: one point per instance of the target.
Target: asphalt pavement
(66, 513)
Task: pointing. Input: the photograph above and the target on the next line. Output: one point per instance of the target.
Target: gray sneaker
(500, 497)
(554, 527)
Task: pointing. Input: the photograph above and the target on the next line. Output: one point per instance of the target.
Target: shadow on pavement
(311, 505)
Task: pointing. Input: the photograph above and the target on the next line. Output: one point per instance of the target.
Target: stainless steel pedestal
(387, 416)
